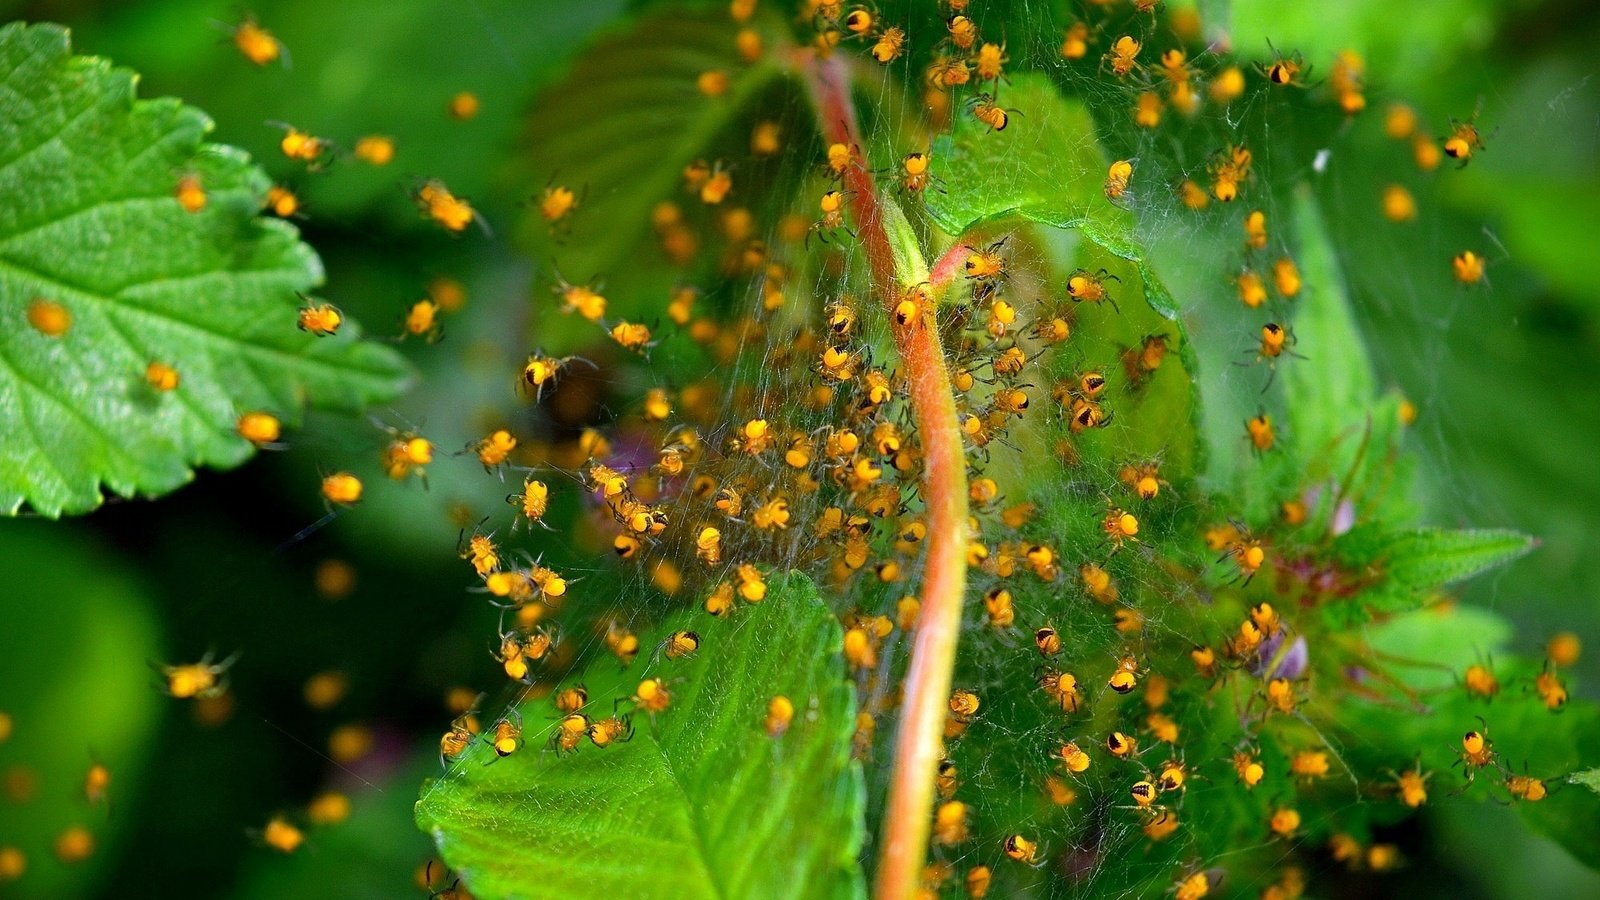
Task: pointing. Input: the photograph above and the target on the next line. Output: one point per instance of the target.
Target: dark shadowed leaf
(657, 122)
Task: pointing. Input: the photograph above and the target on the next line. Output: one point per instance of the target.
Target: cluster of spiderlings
(1262, 644)
(1140, 694)
(816, 465)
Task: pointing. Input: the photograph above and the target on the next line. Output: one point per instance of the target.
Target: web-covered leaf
(702, 801)
(1338, 428)
(1053, 173)
(1040, 184)
(90, 224)
(1428, 649)
(1048, 168)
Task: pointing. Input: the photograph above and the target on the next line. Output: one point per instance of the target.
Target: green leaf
(89, 220)
(1047, 170)
(77, 643)
(1047, 166)
(657, 122)
(909, 265)
(1408, 58)
(1329, 392)
(1339, 431)
(1571, 818)
(1527, 738)
(1427, 558)
(1589, 778)
(1442, 641)
(701, 802)
(1409, 564)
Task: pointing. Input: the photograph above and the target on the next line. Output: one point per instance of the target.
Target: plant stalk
(919, 741)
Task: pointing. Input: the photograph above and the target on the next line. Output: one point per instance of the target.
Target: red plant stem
(919, 742)
(947, 266)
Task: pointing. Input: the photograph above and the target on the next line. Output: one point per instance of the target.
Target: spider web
(1094, 845)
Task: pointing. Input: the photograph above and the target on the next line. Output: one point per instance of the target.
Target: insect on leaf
(701, 802)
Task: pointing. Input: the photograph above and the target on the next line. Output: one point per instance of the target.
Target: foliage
(703, 800)
(91, 222)
(1315, 602)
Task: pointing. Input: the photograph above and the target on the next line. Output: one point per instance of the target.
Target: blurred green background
(1507, 380)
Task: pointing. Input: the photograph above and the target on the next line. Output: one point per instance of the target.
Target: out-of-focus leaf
(1340, 433)
(1402, 57)
(358, 68)
(1329, 393)
(1536, 187)
(701, 802)
(1427, 650)
(1537, 224)
(375, 853)
(657, 122)
(89, 220)
(77, 644)
(1447, 638)
(1408, 564)
(1527, 739)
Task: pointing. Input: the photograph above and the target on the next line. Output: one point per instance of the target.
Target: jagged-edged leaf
(702, 802)
(1406, 565)
(1433, 557)
(1589, 778)
(63, 590)
(90, 222)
